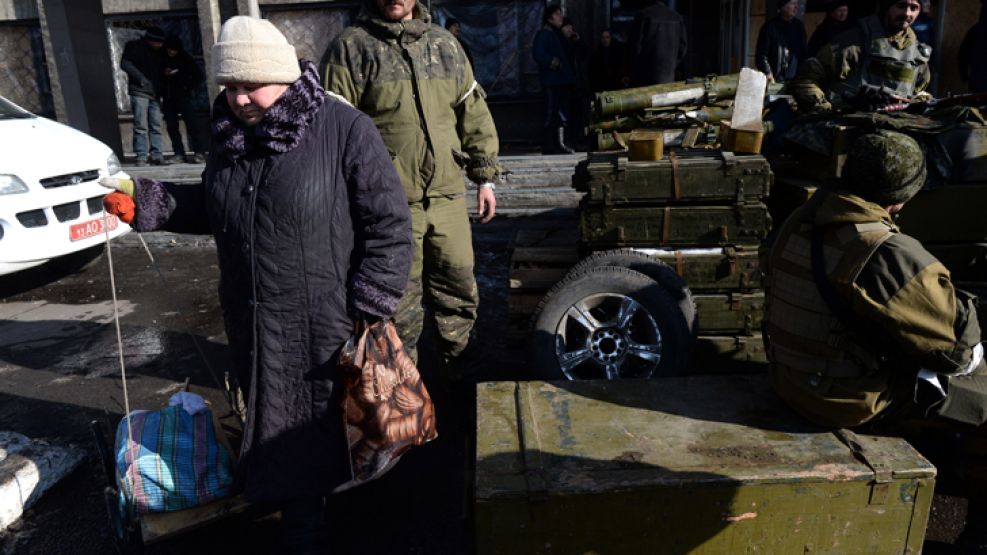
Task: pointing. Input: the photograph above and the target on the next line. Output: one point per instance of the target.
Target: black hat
(173, 43)
(154, 33)
(781, 3)
(833, 4)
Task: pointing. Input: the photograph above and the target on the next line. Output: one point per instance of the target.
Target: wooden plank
(159, 526)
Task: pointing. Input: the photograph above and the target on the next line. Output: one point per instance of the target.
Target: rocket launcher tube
(626, 101)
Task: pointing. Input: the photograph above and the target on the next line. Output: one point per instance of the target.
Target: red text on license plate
(91, 228)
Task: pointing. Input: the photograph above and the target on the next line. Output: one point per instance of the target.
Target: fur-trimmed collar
(283, 125)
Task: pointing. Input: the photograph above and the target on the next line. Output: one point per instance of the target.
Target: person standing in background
(454, 27)
(181, 77)
(658, 44)
(781, 44)
(973, 63)
(578, 103)
(558, 79)
(608, 64)
(835, 23)
(924, 25)
(141, 62)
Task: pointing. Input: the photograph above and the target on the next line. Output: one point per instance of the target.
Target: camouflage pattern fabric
(442, 280)
(414, 80)
(841, 60)
(885, 167)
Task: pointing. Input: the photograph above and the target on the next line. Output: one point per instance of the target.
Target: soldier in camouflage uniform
(414, 80)
(855, 308)
(877, 65)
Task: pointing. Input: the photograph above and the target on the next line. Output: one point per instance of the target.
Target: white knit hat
(251, 50)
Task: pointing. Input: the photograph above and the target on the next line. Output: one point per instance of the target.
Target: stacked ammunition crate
(701, 214)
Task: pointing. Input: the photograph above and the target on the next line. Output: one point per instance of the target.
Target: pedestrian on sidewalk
(141, 62)
(558, 79)
(182, 77)
(313, 233)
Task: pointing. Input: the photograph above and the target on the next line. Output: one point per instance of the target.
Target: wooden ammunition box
(646, 144)
(708, 176)
(730, 313)
(603, 227)
(740, 140)
(706, 465)
(950, 214)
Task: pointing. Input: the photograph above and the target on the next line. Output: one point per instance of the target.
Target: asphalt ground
(59, 371)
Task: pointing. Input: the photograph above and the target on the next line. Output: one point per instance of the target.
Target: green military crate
(950, 214)
(729, 313)
(713, 269)
(706, 464)
(967, 262)
(707, 176)
(728, 354)
(604, 226)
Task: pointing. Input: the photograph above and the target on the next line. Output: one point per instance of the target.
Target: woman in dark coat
(313, 230)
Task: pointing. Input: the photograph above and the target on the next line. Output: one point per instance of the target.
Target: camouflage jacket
(907, 314)
(414, 80)
(843, 61)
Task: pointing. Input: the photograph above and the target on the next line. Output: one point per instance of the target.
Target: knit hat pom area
(252, 50)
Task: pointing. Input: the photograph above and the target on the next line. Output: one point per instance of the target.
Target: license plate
(91, 228)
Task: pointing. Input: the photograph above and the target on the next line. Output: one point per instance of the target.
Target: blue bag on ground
(175, 461)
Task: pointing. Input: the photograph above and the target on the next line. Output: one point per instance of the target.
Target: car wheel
(608, 322)
(77, 261)
(652, 267)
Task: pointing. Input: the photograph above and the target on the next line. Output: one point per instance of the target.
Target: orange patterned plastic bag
(386, 407)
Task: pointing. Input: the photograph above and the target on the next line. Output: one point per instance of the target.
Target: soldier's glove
(870, 99)
(554, 64)
(120, 202)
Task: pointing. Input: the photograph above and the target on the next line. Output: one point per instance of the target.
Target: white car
(50, 202)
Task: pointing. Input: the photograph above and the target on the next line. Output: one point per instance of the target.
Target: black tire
(652, 267)
(77, 261)
(655, 322)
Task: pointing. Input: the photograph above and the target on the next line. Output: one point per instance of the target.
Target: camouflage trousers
(441, 283)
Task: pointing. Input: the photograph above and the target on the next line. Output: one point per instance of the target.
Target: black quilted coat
(310, 222)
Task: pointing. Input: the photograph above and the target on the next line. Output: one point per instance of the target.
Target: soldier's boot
(563, 148)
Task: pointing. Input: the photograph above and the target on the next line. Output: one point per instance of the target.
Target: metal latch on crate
(883, 473)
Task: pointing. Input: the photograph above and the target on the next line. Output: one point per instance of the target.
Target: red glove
(120, 205)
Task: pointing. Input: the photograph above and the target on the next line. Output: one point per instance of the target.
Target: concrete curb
(28, 469)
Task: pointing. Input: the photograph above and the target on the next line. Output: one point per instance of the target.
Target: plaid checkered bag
(174, 462)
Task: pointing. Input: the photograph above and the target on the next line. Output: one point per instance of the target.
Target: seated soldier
(855, 308)
(878, 65)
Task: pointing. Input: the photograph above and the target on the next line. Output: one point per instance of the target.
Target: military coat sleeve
(476, 129)
(834, 62)
(908, 293)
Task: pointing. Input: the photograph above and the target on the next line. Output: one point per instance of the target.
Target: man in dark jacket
(781, 44)
(558, 79)
(181, 77)
(141, 62)
(313, 231)
(835, 23)
(658, 44)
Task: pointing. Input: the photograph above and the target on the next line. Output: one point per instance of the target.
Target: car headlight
(11, 185)
(113, 164)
